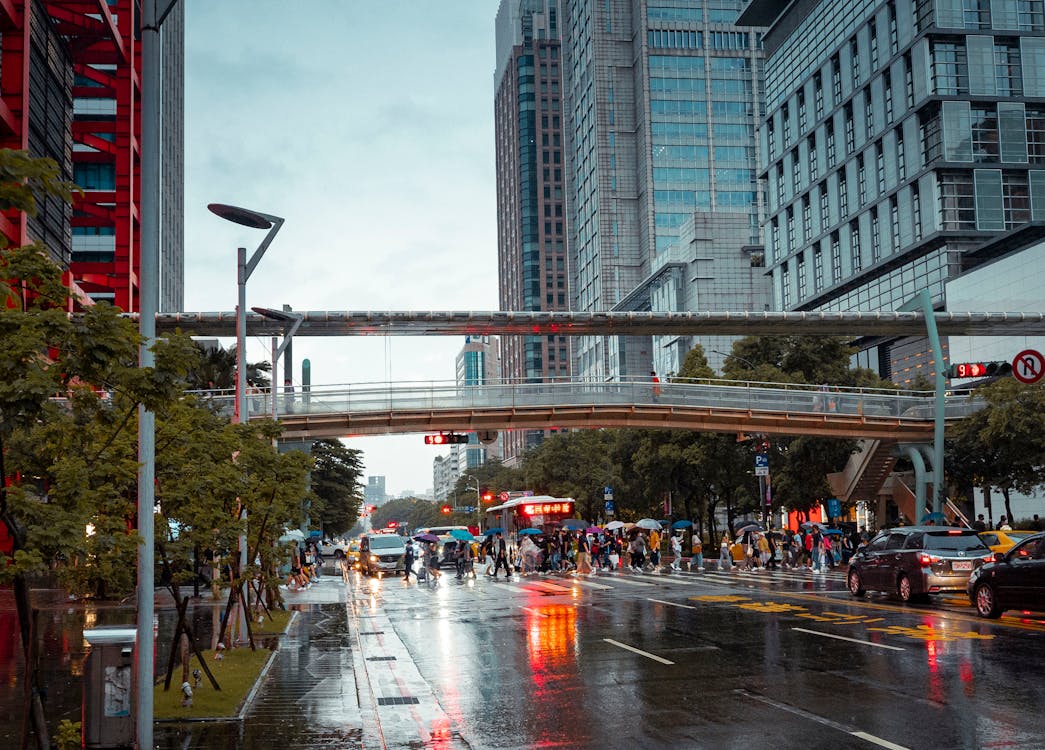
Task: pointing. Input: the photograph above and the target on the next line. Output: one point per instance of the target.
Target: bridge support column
(921, 477)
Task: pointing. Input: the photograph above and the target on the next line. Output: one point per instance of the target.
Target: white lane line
(615, 579)
(548, 586)
(878, 741)
(634, 650)
(591, 584)
(533, 611)
(824, 721)
(673, 604)
(851, 640)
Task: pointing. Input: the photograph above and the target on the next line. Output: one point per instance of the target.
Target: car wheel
(856, 587)
(987, 602)
(903, 589)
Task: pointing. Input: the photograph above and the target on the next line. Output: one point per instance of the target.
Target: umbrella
(681, 524)
(811, 524)
(748, 526)
(833, 532)
(495, 530)
(462, 535)
(648, 523)
(426, 538)
(936, 516)
(574, 524)
(292, 535)
(593, 530)
(530, 532)
(614, 525)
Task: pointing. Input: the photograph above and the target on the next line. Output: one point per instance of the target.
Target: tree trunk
(1008, 507)
(987, 505)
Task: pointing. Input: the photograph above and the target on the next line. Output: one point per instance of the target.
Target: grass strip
(276, 626)
(236, 673)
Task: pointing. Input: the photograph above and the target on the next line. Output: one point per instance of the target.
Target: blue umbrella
(933, 517)
(495, 530)
(833, 532)
(574, 524)
(461, 534)
(530, 532)
(681, 524)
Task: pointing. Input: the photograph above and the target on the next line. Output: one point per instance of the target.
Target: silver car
(915, 561)
(382, 553)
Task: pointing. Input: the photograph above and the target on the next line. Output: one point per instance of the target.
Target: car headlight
(373, 558)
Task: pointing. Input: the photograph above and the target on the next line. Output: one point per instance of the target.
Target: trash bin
(109, 688)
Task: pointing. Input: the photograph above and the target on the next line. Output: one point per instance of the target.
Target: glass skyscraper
(900, 136)
(662, 102)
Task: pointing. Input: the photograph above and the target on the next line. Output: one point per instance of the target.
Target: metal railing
(781, 398)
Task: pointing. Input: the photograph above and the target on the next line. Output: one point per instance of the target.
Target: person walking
(408, 561)
(656, 384)
(501, 557)
(583, 566)
(725, 558)
(697, 552)
(654, 550)
(676, 553)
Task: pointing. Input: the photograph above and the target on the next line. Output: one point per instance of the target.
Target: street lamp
(244, 268)
(734, 356)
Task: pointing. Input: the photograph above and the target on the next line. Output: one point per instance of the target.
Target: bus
(535, 511)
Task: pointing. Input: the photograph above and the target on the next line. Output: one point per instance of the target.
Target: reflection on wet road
(703, 660)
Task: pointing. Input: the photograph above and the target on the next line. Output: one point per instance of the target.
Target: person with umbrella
(432, 561)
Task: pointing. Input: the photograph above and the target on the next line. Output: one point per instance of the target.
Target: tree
(336, 488)
(216, 369)
(575, 464)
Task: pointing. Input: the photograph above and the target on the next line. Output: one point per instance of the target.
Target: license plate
(961, 565)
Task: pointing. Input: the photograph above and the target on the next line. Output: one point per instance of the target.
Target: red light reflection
(550, 641)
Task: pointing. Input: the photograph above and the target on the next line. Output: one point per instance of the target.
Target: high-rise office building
(901, 138)
(478, 363)
(531, 221)
(374, 492)
(662, 102)
(71, 90)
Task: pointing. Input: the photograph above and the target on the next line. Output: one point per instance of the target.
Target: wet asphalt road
(622, 660)
(702, 660)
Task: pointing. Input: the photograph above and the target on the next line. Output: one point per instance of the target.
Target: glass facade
(945, 152)
(660, 131)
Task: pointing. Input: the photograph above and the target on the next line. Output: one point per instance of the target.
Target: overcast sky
(368, 126)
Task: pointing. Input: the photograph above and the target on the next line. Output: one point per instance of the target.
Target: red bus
(536, 511)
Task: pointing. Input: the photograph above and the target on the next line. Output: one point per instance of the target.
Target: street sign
(607, 491)
(761, 465)
(1028, 366)
(834, 508)
(505, 497)
(609, 506)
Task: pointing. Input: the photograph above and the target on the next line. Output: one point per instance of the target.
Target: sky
(369, 127)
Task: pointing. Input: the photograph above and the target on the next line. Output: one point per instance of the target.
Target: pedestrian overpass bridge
(338, 411)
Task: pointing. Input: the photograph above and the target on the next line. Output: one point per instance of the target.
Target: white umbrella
(292, 535)
(648, 523)
(614, 525)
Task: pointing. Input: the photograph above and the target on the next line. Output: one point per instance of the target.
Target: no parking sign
(1028, 366)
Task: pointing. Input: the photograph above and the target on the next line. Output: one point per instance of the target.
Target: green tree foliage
(336, 488)
(216, 370)
(1001, 446)
(492, 475)
(411, 512)
(574, 464)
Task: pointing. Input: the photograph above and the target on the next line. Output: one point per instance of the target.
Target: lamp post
(734, 356)
(244, 268)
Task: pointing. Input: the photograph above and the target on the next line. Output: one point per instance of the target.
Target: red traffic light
(393, 524)
(487, 497)
(445, 438)
(446, 509)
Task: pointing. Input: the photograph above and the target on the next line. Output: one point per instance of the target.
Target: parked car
(1016, 580)
(335, 549)
(1003, 541)
(382, 553)
(915, 561)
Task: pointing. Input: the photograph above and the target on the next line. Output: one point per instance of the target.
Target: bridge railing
(789, 398)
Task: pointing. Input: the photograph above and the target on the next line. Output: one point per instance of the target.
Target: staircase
(866, 472)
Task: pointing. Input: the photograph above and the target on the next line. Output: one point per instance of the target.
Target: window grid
(957, 201)
(1015, 197)
(876, 237)
(836, 258)
(854, 246)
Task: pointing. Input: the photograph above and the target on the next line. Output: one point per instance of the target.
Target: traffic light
(446, 509)
(393, 524)
(486, 494)
(979, 369)
(445, 438)
(762, 446)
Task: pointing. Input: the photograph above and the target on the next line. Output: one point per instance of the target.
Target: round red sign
(1028, 366)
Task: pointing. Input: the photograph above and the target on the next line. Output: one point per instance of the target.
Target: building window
(932, 136)
(950, 68)
(916, 209)
(854, 246)
(843, 194)
(872, 27)
(791, 242)
(825, 208)
(984, 134)
(957, 201)
(836, 258)
(807, 218)
(1007, 69)
(802, 119)
(801, 271)
(796, 173)
(854, 55)
(785, 282)
(785, 115)
(818, 95)
(901, 156)
(831, 160)
(1031, 15)
(879, 165)
(976, 14)
(836, 78)
(774, 233)
(876, 237)
(888, 99)
(894, 42)
(908, 80)
(850, 129)
(1036, 135)
(894, 220)
(1015, 197)
(814, 158)
(818, 269)
(861, 179)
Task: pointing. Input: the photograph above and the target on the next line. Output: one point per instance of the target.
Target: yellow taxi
(1002, 541)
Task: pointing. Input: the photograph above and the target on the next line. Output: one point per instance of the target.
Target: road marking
(851, 640)
(852, 731)
(673, 604)
(533, 611)
(591, 584)
(549, 586)
(640, 652)
(631, 582)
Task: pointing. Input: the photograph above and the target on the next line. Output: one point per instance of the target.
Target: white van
(381, 554)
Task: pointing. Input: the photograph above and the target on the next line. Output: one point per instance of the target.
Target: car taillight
(990, 558)
(927, 560)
